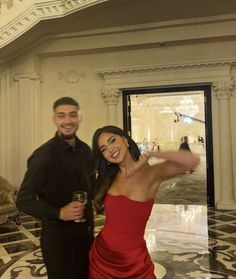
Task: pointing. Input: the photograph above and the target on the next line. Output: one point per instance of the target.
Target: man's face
(66, 120)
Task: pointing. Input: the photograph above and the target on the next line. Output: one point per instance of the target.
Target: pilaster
(29, 115)
(223, 91)
(4, 124)
(111, 97)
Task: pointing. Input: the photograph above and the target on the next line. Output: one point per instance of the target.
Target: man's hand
(72, 211)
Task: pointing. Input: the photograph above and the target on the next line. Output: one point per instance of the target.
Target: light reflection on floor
(175, 224)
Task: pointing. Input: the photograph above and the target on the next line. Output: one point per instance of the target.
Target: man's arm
(29, 199)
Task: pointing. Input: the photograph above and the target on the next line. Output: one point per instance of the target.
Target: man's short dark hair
(65, 101)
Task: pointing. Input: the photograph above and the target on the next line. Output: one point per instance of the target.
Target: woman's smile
(116, 154)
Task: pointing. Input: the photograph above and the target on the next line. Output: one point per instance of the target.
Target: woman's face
(113, 147)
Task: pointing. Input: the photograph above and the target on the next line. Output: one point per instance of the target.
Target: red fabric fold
(106, 263)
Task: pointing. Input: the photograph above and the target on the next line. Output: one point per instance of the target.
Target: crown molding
(26, 14)
(158, 75)
(166, 67)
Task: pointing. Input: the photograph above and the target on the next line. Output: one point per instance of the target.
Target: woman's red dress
(119, 250)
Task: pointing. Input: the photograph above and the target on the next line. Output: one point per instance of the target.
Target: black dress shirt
(54, 171)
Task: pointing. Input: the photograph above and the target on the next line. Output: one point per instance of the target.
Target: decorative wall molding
(111, 95)
(26, 14)
(166, 67)
(168, 74)
(31, 76)
(72, 76)
(224, 89)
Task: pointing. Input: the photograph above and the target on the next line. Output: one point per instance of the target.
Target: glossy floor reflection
(185, 241)
(189, 241)
(190, 188)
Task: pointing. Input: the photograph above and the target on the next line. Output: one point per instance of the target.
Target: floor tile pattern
(185, 241)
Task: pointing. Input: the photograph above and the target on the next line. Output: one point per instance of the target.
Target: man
(56, 169)
(184, 146)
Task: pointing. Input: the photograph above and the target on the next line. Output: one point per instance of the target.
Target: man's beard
(67, 137)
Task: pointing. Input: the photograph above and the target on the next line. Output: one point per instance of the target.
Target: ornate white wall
(94, 66)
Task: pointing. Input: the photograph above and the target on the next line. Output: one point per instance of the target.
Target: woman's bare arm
(175, 163)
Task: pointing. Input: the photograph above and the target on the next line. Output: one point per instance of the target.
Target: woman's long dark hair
(107, 172)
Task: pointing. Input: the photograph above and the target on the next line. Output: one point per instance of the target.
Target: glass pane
(161, 121)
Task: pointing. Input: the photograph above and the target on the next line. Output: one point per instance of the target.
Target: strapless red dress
(119, 250)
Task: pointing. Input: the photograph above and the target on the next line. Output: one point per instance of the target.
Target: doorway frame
(206, 88)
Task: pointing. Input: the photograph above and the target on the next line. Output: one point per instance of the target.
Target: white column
(30, 116)
(111, 97)
(4, 125)
(223, 91)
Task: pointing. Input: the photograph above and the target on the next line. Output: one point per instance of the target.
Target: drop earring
(108, 163)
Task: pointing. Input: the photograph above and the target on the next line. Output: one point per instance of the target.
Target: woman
(126, 189)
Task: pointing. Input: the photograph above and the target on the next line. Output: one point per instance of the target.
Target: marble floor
(185, 241)
(190, 188)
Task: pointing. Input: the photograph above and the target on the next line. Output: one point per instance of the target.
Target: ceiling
(116, 13)
(169, 103)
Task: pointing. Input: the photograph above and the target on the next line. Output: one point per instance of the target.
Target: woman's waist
(122, 240)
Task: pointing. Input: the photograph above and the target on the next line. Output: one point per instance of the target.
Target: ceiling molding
(20, 18)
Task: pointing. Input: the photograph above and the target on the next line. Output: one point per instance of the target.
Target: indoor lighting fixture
(187, 107)
(166, 110)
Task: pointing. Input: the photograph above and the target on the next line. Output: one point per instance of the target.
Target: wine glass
(82, 197)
